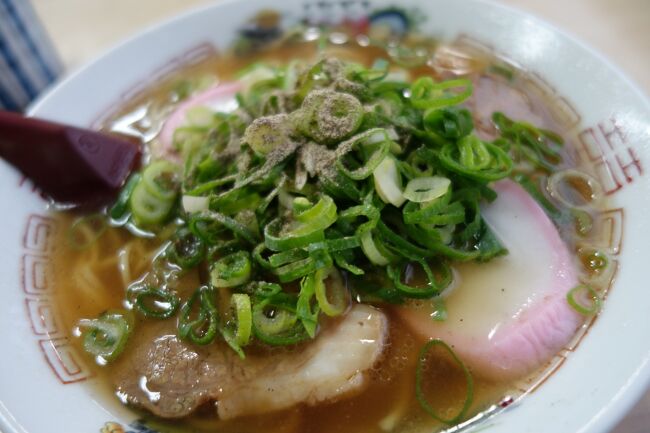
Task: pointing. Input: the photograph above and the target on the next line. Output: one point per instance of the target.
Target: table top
(617, 28)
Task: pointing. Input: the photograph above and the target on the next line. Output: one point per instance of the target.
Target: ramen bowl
(46, 385)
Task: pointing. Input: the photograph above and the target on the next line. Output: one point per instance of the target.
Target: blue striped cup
(28, 62)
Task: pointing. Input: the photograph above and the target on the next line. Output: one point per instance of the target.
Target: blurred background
(81, 29)
(617, 28)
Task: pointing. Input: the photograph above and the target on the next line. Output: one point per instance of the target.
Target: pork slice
(509, 316)
(172, 378)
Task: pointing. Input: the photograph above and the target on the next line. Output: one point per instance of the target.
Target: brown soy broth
(391, 382)
(90, 282)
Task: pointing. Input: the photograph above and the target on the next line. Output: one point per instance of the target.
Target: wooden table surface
(620, 29)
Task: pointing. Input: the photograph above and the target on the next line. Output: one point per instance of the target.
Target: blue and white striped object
(28, 62)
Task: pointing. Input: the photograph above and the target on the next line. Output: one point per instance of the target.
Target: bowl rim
(634, 389)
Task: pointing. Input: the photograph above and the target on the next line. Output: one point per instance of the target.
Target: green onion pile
(330, 183)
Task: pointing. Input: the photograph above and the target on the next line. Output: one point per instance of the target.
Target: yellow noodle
(124, 266)
(90, 287)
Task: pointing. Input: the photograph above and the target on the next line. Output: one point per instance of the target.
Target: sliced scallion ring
(277, 240)
(306, 309)
(120, 209)
(425, 93)
(186, 250)
(199, 327)
(584, 299)
(276, 325)
(424, 189)
(419, 386)
(231, 271)
(388, 182)
(156, 303)
(331, 293)
(161, 179)
(241, 304)
(371, 251)
(371, 146)
(575, 189)
(148, 209)
(316, 217)
(106, 337)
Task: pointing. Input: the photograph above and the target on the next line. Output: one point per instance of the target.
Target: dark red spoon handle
(72, 165)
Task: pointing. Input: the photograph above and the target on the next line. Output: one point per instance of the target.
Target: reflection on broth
(110, 272)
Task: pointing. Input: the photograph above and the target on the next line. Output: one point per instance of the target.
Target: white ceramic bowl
(44, 384)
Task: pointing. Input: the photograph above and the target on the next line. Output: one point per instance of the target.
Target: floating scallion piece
(186, 250)
(199, 327)
(156, 303)
(275, 322)
(584, 299)
(106, 336)
(420, 378)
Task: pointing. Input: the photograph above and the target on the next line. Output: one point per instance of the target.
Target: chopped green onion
(281, 190)
(431, 286)
(476, 159)
(425, 189)
(318, 258)
(338, 292)
(276, 325)
(426, 94)
(278, 240)
(186, 250)
(161, 180)
(388, 182)
(328, 116)
(450, 123)
(148, 209)
(231, 271)
(371, 251)
(372, 146)
(156, 303)
(106, 337)
(210, 225)
(241, 304)
(192, 204)
(316, 217)
(525, 141)
(263, 289)
(533, 189)
(209, 186)
(419, 377)
(584, 299)
(435, 212)
(377, 72)
(267, 133)
(575, 189)
(365, 210)
(306, 309)
(203, 328)
(121, 207)
(288, 256)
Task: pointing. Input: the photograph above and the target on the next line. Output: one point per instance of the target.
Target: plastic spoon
(72, 165)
